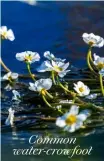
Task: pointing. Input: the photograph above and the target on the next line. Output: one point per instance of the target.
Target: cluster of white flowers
(72, 120)
(95, 41)
(56, 65)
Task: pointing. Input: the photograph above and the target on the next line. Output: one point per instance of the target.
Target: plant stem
(4, 66)
(61, 85)
(49, 95)
(48, 104)
(29, 70)
(89, 57)
(53, 78)
(101, 84)
(46, 101)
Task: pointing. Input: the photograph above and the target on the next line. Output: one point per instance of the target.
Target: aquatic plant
(78, 93)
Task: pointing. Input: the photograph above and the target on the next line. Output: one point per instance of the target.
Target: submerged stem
(29, 70)
(101, 84)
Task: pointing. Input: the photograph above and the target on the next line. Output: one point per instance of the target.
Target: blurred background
(56, 26)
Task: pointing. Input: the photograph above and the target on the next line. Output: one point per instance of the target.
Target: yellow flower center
(81, 89)
(91, 43)
(28, 58)
(58, 68)
(9, 78)
(43, 92)
(4, 35)
(71, 119)
(100, 65)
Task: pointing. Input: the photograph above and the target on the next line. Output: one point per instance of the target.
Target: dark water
(58, 27)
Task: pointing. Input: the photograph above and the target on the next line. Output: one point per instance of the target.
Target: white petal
(74, 110)
(32, 87)
(63, 73)
(83, 115)
(85, 35)
(48, 55)
(101, 44)
(65, 66)
(43, 67)
(3, 28)
(60, 122)
(46, 83)
(14, 75)
(70, 128)
(20, 56)
(10, 35)
(87, 91)
(54, 63)
(48, 64)
(36, 57)
(78, 124)
(5, 77)
(60, 64)
(80, 84)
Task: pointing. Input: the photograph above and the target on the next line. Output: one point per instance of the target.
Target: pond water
(57, 27)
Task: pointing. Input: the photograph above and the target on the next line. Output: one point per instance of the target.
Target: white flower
(102, 72)
(28, 56)
(30, 2)
(8, 87)
(92, 96)
(6, 34)
(93, 40)
(57, 67)
(10, 76)
(10, 119)
(16, 96)
(99, 61)
(50, 56)
(72, 121)
(41, 85)
(81, 89)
